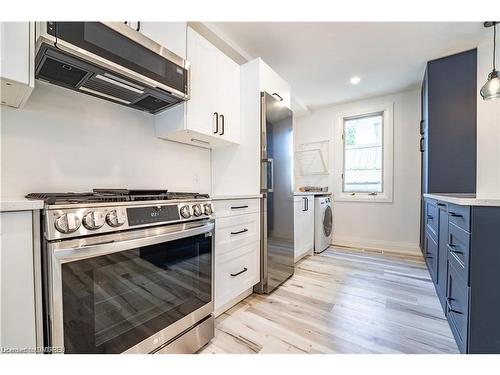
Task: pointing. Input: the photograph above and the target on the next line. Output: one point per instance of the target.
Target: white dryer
(323, 223)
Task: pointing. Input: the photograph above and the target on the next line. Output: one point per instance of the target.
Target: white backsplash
(66, 141)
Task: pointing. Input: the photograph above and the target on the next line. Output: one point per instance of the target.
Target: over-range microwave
(111, 61)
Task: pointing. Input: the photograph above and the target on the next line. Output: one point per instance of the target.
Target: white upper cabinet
(17, 77)
(211, 116)
(273, 84)
(171, 35)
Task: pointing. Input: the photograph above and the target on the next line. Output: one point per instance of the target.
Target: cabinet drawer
(235, 231)
(458, 249)
(231, 207)
(431, 256)
(431, 217)
(236, 272)
(460, 216)
(457, 306)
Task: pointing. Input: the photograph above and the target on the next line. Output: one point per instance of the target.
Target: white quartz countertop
(241, 196)
(464, 199)
(19, 204)
(312, 193)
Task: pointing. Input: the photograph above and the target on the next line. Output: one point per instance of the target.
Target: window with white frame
(363, 164)
(363, 154)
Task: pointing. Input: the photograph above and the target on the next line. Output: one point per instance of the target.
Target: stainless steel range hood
(111, 61)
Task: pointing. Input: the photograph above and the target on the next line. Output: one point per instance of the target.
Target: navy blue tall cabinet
(448, 125)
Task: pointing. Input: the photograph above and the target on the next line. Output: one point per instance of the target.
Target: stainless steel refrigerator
(277, 246)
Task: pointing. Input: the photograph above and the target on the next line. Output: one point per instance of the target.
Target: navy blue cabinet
(464, 265)
(448, 126)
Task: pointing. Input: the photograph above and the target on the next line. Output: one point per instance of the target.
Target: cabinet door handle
(222, 124)
(422, 144)
(238, 207)
(305, 204)
(278, 96)
(441, 204)
(240, 231)
(421, 126)
(454, 214)
(239, 273)
(216, 122)
(430, 217)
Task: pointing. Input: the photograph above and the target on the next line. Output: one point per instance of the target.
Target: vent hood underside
(63, 69)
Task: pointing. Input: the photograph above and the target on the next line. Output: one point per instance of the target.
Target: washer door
(327, 221)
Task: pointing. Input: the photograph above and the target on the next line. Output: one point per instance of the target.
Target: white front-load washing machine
(323, 223)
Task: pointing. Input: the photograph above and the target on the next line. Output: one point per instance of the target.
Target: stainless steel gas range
(127, 271)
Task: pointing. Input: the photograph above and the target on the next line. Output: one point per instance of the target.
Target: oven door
(130, 291)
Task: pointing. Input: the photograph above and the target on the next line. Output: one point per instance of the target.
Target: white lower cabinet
(303, 226)
(19, 269)
(237, 250)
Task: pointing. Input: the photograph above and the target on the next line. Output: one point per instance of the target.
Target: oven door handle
(73, 251)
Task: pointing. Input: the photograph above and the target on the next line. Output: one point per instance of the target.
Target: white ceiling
(319, 58)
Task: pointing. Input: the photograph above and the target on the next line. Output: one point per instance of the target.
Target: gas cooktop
(113, 195)
(69, 215)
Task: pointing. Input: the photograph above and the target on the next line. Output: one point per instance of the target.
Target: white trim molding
(380, 245)
(388, 154)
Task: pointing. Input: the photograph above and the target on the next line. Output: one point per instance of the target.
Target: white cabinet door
(309, 225)
(17, 312)
(171, 35)
(212, 114)
(272, 83)
(17, 44)
(303, 226)
(228, 90)
(202, 106)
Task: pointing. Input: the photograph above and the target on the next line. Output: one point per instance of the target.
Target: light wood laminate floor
(341, 301)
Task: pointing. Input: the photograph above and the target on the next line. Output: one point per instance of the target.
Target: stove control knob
(197, 211)
(208, 209)
(115, 218)
(67, 223)
(185, 212)
(94, 220)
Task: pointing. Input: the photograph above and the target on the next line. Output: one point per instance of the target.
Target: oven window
(113, 302)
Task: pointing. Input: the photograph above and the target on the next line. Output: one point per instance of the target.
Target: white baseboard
(397, 247)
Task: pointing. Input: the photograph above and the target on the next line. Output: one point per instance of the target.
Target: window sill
(345, 197)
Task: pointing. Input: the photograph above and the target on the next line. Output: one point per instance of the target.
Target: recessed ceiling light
(355, 80)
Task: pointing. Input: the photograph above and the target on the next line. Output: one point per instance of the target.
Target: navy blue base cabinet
(462, 251)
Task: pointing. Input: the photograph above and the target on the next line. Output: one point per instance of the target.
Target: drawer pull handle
(240, 231)
(450, 309)
(454, 214)
(239, 273)
(441, 204)
(430, 217)
(453, 249)
(238, 207)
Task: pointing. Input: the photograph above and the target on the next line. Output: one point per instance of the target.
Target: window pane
(363, 154)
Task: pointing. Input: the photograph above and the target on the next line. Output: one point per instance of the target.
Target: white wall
(391, 226)
(488, 130)
(66, 141)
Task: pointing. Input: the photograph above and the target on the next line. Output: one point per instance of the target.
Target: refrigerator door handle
(271, 163)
